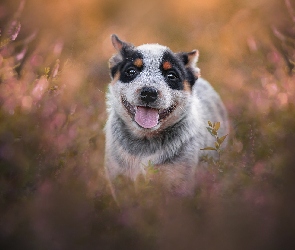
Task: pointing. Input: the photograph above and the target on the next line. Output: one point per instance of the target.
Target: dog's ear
(122, 48)
(190, 59)
(117, 43)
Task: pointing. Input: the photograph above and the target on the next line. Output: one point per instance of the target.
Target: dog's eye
(130, 72)
(172, 76)
(173, 80)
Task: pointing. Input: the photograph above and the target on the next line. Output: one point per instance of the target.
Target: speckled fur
(173, 146)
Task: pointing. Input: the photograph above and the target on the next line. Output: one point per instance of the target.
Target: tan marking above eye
(138, 62)
(167, 65)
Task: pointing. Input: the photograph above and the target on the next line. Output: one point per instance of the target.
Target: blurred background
(53, 77)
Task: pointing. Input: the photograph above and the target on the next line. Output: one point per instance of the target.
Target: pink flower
(21, 55)
(40, 88)
(14, 30)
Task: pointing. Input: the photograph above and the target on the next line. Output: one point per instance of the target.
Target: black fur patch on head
(128, 66)
(174, 75)
(178, 73)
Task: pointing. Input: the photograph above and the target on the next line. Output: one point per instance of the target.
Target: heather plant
(213, 130)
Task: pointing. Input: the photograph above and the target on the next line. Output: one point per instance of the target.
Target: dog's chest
(135, 165)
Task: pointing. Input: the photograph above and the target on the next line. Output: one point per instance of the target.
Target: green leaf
(216, 126)
(208, 148)
(210, 130)
(221, 139)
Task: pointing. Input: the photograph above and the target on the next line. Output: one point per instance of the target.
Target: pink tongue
(146, 117)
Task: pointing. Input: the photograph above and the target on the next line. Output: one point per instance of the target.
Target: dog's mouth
(145, 116)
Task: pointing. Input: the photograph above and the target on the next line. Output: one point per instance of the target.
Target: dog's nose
(148, 94)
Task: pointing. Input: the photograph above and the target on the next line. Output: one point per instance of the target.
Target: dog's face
(151, 86)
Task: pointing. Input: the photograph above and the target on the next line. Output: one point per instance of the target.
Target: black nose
(148, 94)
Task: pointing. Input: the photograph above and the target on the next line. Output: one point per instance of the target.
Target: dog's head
(151, 86)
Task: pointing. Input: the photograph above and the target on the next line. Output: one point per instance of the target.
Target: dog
(158, 107)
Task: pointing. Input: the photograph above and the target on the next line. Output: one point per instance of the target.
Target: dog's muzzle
(145, 114)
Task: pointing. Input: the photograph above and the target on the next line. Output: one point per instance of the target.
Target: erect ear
(121, 48)
(117, 43)
(189, 59)
(193, 57)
